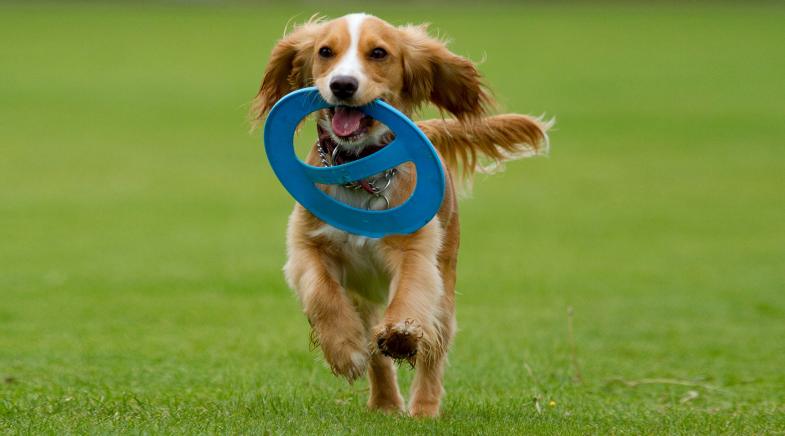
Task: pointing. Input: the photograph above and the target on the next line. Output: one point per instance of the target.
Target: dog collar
(331, 154)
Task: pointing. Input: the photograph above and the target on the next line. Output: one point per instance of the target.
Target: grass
(142, 233)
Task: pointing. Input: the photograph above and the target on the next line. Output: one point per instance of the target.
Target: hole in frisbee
(381, 191)
(365, 136)
(317, 143)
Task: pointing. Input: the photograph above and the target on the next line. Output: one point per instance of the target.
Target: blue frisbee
(410, 145)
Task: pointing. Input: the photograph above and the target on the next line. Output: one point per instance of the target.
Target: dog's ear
(288, 69)
(433, 73)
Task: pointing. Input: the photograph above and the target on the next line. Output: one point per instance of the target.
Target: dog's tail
(485, 144)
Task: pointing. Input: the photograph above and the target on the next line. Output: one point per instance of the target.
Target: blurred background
(142, 231)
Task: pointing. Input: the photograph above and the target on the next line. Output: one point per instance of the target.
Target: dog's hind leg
(427, 389)
(384, 393)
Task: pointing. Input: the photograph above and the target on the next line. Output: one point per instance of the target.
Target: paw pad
(399, 341)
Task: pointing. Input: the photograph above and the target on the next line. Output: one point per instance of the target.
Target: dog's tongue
(346, 120)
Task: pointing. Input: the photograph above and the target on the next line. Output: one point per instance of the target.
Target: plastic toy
(299, 178)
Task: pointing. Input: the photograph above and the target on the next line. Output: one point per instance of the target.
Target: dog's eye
(378, 53)
(326, 52)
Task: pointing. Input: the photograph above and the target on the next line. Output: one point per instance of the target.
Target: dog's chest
(358, 264)
(358, 197)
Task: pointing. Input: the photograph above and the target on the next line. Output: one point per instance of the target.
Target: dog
(373, 302)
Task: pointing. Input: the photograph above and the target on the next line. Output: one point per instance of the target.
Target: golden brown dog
(373, 301)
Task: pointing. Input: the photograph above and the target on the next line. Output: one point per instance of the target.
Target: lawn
(142, 232)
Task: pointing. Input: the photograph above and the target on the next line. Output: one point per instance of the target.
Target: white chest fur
(359, 267)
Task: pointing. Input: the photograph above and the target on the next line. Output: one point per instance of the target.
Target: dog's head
(357, 58)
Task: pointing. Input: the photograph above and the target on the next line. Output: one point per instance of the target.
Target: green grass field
(142, 232)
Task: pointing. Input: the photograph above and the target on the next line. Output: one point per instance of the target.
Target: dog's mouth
(349, 123)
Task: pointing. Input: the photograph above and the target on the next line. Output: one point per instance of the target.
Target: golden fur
(373, 301)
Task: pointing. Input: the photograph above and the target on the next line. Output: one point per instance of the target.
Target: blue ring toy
(410, 145)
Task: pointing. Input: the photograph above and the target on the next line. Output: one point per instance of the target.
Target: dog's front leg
(411, 328)
(415, 326)
(337, 325)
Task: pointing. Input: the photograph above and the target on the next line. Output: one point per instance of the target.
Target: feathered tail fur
(485, 144)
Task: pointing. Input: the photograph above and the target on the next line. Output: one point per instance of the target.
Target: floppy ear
(433, 73)
(288, 69)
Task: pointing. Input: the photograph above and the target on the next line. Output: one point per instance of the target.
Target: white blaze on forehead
(349, 63)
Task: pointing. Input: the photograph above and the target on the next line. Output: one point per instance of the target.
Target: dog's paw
(399, 341)
(391, 405)
(424, 410)
(346, 358)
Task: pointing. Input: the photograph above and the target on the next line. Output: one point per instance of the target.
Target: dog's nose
(343, 87)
